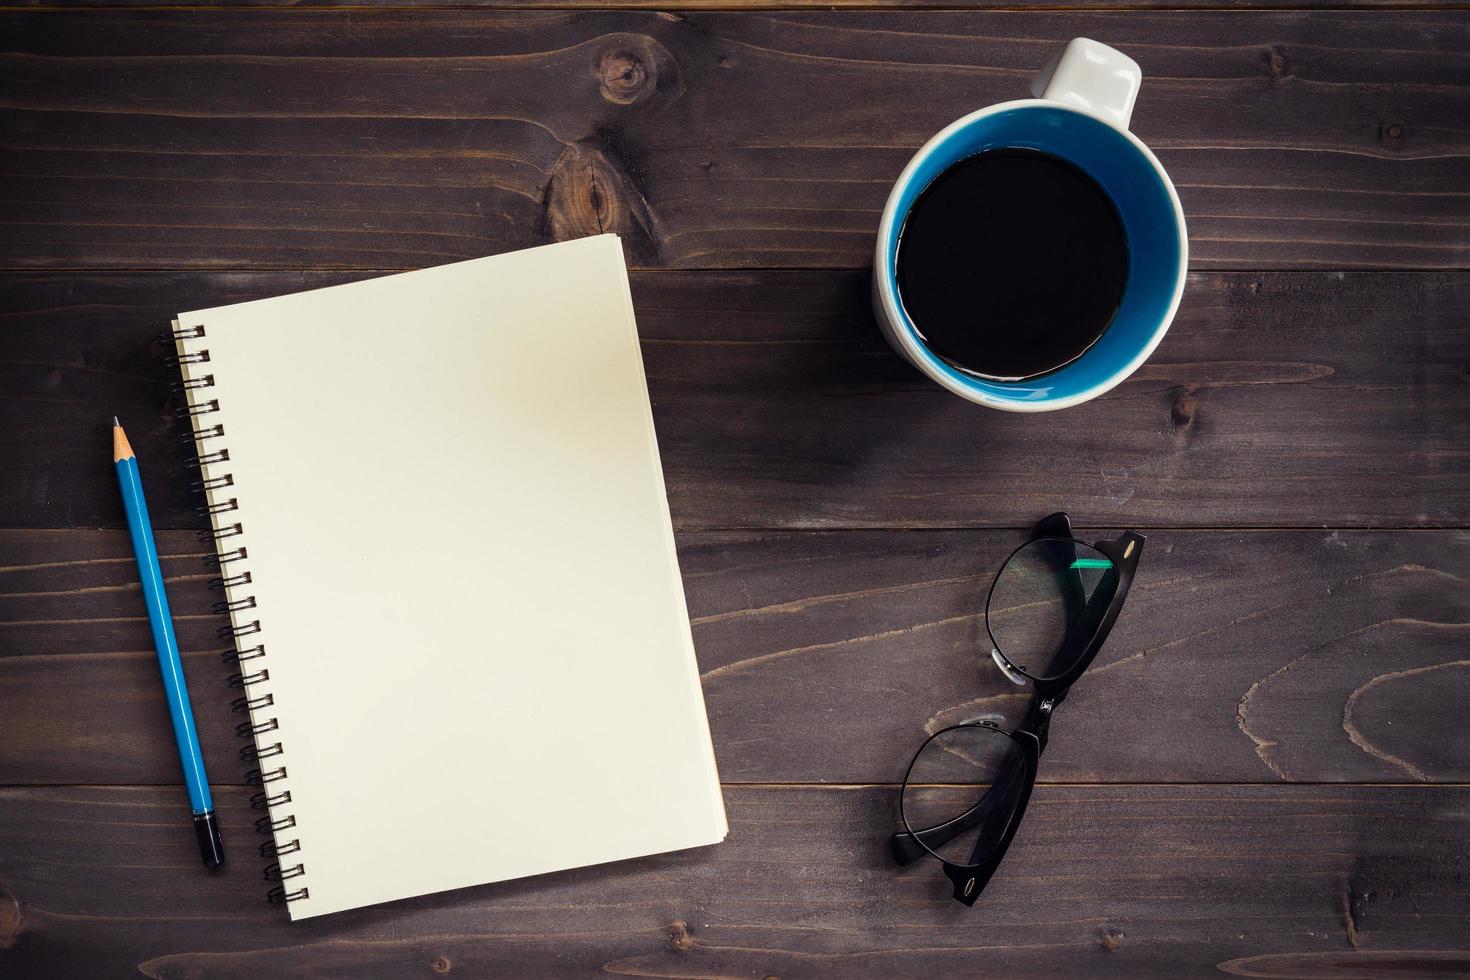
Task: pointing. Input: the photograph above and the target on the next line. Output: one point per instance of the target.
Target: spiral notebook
(446, 551)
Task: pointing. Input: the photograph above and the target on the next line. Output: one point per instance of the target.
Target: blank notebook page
(458, 543)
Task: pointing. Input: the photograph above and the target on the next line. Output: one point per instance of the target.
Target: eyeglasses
(1051, 607)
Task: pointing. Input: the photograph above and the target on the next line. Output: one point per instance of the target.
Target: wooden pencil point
(121, 449)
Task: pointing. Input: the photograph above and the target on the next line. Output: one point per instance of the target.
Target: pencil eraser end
(211, 848)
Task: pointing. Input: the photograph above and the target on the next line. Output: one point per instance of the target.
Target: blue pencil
(206, 825)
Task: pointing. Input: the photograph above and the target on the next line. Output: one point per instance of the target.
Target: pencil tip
(120, 447)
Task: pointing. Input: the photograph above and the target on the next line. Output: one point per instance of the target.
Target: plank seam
(932, 528)
(58, 269)
(831, 7)
(1318, 784)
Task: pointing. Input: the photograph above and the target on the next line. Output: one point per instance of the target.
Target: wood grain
(1240, 657)
(386, 139)
(1144, 881)
(838, 517)
(1277, 399)
(908, 5)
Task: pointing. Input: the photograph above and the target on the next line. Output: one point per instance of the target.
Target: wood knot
(632, 68)
(441, 964)
(679, 938)
(1181, 412)
(9, 920)
(1354, 905)
(624, 77)
(1391, 134)
(1276, 65)
(1110, 937)
(590, 192)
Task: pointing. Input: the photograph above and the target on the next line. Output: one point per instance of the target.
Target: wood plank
(1240, 657)
(1277, 399)
(761, 4)
(1142, 881)
(390, 139)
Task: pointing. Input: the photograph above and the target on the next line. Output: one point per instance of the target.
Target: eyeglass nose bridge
(1005, 667)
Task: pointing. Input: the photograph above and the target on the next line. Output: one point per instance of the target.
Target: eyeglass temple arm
(1003, 810)
(907, 847)
(1038, 716)
(1086, 627)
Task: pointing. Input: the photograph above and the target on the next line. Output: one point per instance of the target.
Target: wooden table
(1267, 773)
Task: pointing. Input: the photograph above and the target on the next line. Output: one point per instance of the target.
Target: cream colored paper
(464, 571)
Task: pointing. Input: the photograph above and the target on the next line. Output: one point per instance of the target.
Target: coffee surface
(1012, 263)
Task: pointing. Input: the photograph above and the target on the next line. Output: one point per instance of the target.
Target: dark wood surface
(1313, 656)
(779, 5)
(282, 139)
(1279, 399)
(1264, 775)
(1274, 881)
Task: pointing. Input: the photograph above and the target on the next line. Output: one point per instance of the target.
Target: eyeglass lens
(1047, 602)
(962, 791)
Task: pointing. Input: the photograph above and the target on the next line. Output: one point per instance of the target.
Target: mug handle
(1092, 76)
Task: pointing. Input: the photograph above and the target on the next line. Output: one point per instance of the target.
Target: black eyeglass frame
(1030, 737)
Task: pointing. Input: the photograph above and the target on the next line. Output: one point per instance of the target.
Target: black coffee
(1012, 263)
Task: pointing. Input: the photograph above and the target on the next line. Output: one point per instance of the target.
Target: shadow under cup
(1151, 220)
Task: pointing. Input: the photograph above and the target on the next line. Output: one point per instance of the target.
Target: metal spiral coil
(274, 872)
(249, 680)
(266, 825)
(264, 801)
(279, 895)
(223, 507)
(193, 384)
(242, 705)
(235, 655)
(270, 848)
(228, 607)
(208, 432)
(254, 753)
(195, 409)
(206, 459)
(225, 557)
(246, 730)
(230, 579)
(226, 632)
(228, 531)
(259, 777)
(213, 483)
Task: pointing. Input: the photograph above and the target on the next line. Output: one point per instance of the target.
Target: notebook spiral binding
(247, 652)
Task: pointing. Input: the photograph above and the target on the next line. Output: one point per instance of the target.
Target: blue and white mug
(1083, 102)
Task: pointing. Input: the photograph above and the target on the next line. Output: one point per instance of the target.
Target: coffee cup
(1079, 117)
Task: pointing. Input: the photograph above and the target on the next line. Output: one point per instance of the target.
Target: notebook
(446, 549)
